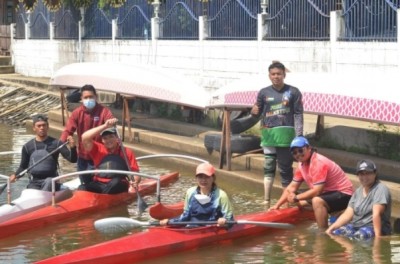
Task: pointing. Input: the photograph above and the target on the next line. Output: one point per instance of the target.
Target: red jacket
(99, 151)
(82, 120)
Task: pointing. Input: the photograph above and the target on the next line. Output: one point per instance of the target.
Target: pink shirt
(322, 170)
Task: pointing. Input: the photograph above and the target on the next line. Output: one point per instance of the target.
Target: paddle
(142, 205)
(19, 175)
(124, 224)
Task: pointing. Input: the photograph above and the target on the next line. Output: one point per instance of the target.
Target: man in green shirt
(280, 108)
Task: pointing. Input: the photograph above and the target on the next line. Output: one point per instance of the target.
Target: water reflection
(304, 244)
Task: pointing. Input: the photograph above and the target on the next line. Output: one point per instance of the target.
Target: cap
(299, 142)
(365, 165)
(206, 169)
(38, 118)
(110, 130)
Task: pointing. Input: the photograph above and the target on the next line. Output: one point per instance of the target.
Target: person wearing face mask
(205, 202)
(88, 115)
(329, 188)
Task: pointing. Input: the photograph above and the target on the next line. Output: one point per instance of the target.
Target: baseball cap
(299, 142)
(107, 131)
(206, 169)
(38, 118)
(365, 165)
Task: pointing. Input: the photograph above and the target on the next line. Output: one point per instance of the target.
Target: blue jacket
(219, 206)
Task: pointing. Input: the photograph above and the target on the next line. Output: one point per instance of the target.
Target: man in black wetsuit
(35, 155)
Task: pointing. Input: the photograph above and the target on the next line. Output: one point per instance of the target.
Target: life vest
(205, 211)
(44, 169)
(112, 162)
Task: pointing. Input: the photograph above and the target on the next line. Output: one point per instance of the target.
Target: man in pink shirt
(330, 188)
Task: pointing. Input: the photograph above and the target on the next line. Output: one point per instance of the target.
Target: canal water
(304, 244)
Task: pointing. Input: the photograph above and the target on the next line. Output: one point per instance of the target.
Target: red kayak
(82, 202)
(160, 241)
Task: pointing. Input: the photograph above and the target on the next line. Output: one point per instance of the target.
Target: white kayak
(31, 200)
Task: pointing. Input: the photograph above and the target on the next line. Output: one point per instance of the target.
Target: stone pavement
(246, 169)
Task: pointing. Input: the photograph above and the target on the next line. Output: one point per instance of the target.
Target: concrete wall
(211, 64)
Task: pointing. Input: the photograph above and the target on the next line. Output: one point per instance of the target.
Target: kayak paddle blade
(142, 205)
(113, 225)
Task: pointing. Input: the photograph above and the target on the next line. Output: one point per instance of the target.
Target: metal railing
(370, 20)
(363, 20)
(299, 19)
(39, 22)
(180, 20)
(98, 22)
(134, 20)
(77, 173)
(233, 19)
(66, 24)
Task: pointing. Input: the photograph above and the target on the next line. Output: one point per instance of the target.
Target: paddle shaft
(19, 175)
(238, 222)
(141, 203)
(124, 224)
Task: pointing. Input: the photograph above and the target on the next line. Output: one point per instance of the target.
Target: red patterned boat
(160, 241)
(82, 202)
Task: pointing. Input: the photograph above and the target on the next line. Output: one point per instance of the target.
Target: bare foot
(267, 204)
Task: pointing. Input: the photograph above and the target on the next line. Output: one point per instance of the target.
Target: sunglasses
(297, 151)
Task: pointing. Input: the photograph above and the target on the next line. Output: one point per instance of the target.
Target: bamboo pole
(18, 107)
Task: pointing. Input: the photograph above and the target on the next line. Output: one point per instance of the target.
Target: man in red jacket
(89, 115)
(109, 155)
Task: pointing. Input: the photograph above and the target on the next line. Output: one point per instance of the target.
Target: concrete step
(5, 60)
(7, 69)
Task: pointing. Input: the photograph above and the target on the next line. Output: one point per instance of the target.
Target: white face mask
(89, 103)
(202, 199)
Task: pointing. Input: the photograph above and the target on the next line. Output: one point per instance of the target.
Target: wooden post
(126, 117)
(64, 105)
(223, 141)
(225, 148)
(228, 139)
(319, 127)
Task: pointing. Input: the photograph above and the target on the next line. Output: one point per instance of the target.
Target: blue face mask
(89, 103)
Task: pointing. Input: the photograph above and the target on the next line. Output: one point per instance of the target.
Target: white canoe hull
(31, 200)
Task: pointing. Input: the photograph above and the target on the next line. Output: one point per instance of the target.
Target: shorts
(337, 201)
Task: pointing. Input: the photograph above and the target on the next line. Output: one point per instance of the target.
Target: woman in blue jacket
(205, 202)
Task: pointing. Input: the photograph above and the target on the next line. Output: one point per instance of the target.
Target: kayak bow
(82, 202)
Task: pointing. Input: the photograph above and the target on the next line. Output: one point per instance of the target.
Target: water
(304, 244)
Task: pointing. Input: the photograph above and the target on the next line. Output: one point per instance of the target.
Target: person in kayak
(108, 155)
(330, 188)
(90, 114)
(369, 210)
(35, 154)
(205, 202)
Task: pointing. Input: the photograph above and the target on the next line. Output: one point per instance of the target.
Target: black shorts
(337, 201)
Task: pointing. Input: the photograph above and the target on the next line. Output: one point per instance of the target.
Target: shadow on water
(304, 244)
